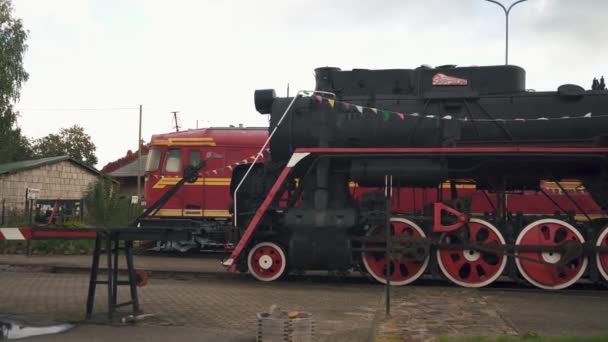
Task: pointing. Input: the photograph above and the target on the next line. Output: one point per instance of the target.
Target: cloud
(205, 58)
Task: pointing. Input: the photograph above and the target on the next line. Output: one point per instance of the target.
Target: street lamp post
(507, 11)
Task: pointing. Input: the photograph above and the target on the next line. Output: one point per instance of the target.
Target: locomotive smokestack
(324, 78)
(263, 99)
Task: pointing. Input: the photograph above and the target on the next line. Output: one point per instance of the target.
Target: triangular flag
(447, 117)
(387, 115)
(331, 102)
(542, 119)
(214, 172)
(520, 119)
(359, 109)
(588, 115)
(345, 106)
(565, 117)
(244, 161)
(375, 110)
(229, 166)
(307, 93)
(318, 98)
(221, 169)
(237, 163)
(414, 114)
(401, 116)
(430, 116)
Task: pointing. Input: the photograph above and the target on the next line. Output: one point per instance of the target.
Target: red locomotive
(203, 204)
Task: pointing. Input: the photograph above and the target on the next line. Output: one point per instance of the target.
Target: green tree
(13, 145)
(72, 141)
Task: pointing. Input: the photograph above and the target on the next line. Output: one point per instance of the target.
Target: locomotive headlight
(263, 99)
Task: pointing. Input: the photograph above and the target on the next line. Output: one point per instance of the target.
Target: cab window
(153, 161)
(173, 161)
(194, 158)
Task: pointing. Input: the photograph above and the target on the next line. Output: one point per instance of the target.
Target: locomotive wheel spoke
(541, 269)
(266, 261)
(469, 267)
(402, 270)
(602, 258)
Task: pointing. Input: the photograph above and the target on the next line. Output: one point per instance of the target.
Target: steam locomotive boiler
(419, 128)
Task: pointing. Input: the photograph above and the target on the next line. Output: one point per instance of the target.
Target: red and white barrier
(22, 234)
(15, 234)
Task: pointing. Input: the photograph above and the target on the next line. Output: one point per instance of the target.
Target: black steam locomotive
(417, 128)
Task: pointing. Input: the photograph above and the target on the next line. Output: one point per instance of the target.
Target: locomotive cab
(204, 203)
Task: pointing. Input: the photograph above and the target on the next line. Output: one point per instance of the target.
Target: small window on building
(153, 161)
(194, 158)
(174, 161)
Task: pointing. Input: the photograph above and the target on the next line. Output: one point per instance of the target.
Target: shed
(57, 178)
(127, 174)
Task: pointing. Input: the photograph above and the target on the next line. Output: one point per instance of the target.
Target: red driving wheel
(402, 270)
(539, 268)
(473, 268)
(602, 258)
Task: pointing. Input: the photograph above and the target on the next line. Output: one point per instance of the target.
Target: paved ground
(421, 313)
(218, 308)
(568, 312)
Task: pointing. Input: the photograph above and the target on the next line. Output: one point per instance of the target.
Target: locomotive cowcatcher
(420, 128)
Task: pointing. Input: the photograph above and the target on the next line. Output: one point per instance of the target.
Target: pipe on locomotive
(298, 94)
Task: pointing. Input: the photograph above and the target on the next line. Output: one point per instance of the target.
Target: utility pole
(175, 120)
(507, 11)
(139, 170)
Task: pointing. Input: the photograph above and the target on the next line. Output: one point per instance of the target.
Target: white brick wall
(62, 180)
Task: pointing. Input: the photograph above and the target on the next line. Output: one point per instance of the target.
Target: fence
(42, 211)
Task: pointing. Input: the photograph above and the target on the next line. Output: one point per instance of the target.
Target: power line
(76, 109)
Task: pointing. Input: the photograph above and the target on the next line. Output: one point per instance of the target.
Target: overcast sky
(205, 58)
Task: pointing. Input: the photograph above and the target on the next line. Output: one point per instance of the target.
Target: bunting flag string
(231, 166)
(387, 114)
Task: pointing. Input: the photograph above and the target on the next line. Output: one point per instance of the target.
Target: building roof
(131, 169)
(128, 158)
(35, 163)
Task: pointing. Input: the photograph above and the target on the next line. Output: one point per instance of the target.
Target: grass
(48, 247)
(525, 338)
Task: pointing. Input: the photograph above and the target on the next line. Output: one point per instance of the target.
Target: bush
(105, 206)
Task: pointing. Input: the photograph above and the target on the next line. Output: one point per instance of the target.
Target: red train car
(204, 203)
